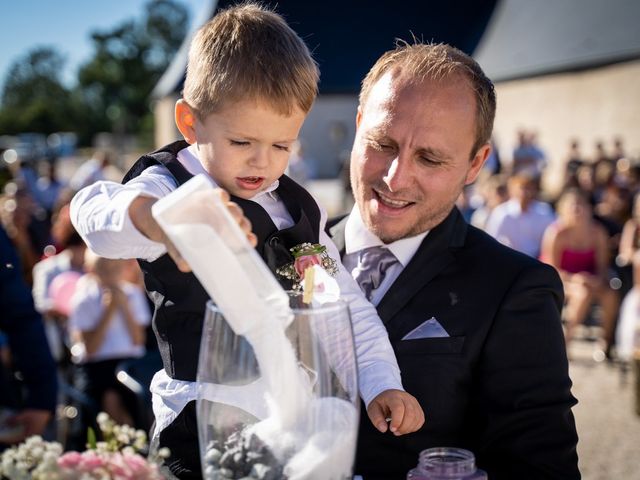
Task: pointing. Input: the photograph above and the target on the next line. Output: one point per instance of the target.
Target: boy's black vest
(179, 298)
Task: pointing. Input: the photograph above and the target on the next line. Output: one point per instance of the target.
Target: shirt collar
(358, 237)
(188, 157)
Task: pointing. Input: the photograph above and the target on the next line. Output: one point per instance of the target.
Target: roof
(527, 38)
(347, 37)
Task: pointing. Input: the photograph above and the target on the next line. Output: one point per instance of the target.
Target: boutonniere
(307, 255)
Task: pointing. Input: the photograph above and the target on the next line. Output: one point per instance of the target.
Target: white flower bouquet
(118, 456)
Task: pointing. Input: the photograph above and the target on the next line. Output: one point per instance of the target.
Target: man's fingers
(377, 416)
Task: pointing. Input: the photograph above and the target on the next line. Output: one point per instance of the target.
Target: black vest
(179, 299)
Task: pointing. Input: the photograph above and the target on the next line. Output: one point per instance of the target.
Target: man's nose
(398, 174)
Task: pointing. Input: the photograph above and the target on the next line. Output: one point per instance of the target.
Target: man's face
(524, 193)
(411, 155)
(245, 146)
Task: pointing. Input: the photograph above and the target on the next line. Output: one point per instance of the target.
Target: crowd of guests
(589, 230)
(94, 310)
(96, 315)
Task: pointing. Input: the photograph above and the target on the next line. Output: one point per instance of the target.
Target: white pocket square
(428, 329)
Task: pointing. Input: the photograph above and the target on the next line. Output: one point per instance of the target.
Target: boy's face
(245, 146)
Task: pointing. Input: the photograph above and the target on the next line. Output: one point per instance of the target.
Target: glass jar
(280, 403)
(445, 463)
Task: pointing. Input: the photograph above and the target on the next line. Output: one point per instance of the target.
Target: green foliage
(34, 98)
(129, 61)
(113, 88)
(91, 439)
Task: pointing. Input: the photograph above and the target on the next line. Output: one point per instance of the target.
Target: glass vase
(281, 403)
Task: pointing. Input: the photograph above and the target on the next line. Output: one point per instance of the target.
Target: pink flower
(304, 262)
(136, 463)
(69, 460)
(91, 461)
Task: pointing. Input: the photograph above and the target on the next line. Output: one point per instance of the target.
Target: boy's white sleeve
(100, 214)
(377, 365)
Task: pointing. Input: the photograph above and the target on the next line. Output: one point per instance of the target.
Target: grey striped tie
(373, 263)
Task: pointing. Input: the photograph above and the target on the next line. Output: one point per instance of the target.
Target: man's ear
(477, 162)
(186, 121)
(358, 116)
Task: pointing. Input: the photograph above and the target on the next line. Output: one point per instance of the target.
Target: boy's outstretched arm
(142, 219)
(401, 407)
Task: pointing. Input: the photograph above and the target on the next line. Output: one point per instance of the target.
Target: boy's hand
(140, 213)
(402, 408)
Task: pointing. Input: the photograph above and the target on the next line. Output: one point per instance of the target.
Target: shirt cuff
(376, 379)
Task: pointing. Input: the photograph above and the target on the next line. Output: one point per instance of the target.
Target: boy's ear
(186, 121)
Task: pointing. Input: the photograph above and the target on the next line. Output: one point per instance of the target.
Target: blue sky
(65, 25)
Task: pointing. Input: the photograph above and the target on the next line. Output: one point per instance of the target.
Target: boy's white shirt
(99, 213)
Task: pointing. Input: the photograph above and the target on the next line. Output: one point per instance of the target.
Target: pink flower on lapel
(303, 262)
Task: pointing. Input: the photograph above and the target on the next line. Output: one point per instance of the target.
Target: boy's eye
(284, 148)
(238, 142)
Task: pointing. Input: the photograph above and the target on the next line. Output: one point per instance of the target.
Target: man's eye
(383, 147)
(239, 142)
(429, 161)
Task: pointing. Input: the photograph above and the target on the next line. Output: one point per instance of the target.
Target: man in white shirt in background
(520, 222)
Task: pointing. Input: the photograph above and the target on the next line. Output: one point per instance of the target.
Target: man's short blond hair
(247, 52)
(420, 62)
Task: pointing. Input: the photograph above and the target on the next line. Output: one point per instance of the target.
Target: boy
(250, 83)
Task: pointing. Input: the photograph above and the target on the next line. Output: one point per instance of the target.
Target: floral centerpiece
(118, 456)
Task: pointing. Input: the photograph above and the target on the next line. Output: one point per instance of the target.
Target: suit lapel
(435, 254)
(336, 232)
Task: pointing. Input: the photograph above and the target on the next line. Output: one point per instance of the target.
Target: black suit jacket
(499, 384)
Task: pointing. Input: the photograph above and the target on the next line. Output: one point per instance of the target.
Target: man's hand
(31, 421)
(401, 408)
(140, 213)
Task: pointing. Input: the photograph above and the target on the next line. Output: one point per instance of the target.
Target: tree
(34, 98)
(128, 62)
(113, 87)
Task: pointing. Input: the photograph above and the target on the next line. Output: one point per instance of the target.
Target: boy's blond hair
(441, 62)
(247, 52)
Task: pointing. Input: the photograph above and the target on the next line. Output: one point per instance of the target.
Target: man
(520, 222)
(475, 325)
(30, 351)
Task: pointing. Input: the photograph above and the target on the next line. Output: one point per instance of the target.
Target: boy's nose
(261, 158)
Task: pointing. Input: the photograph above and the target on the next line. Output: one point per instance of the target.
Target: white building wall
(592, 105)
